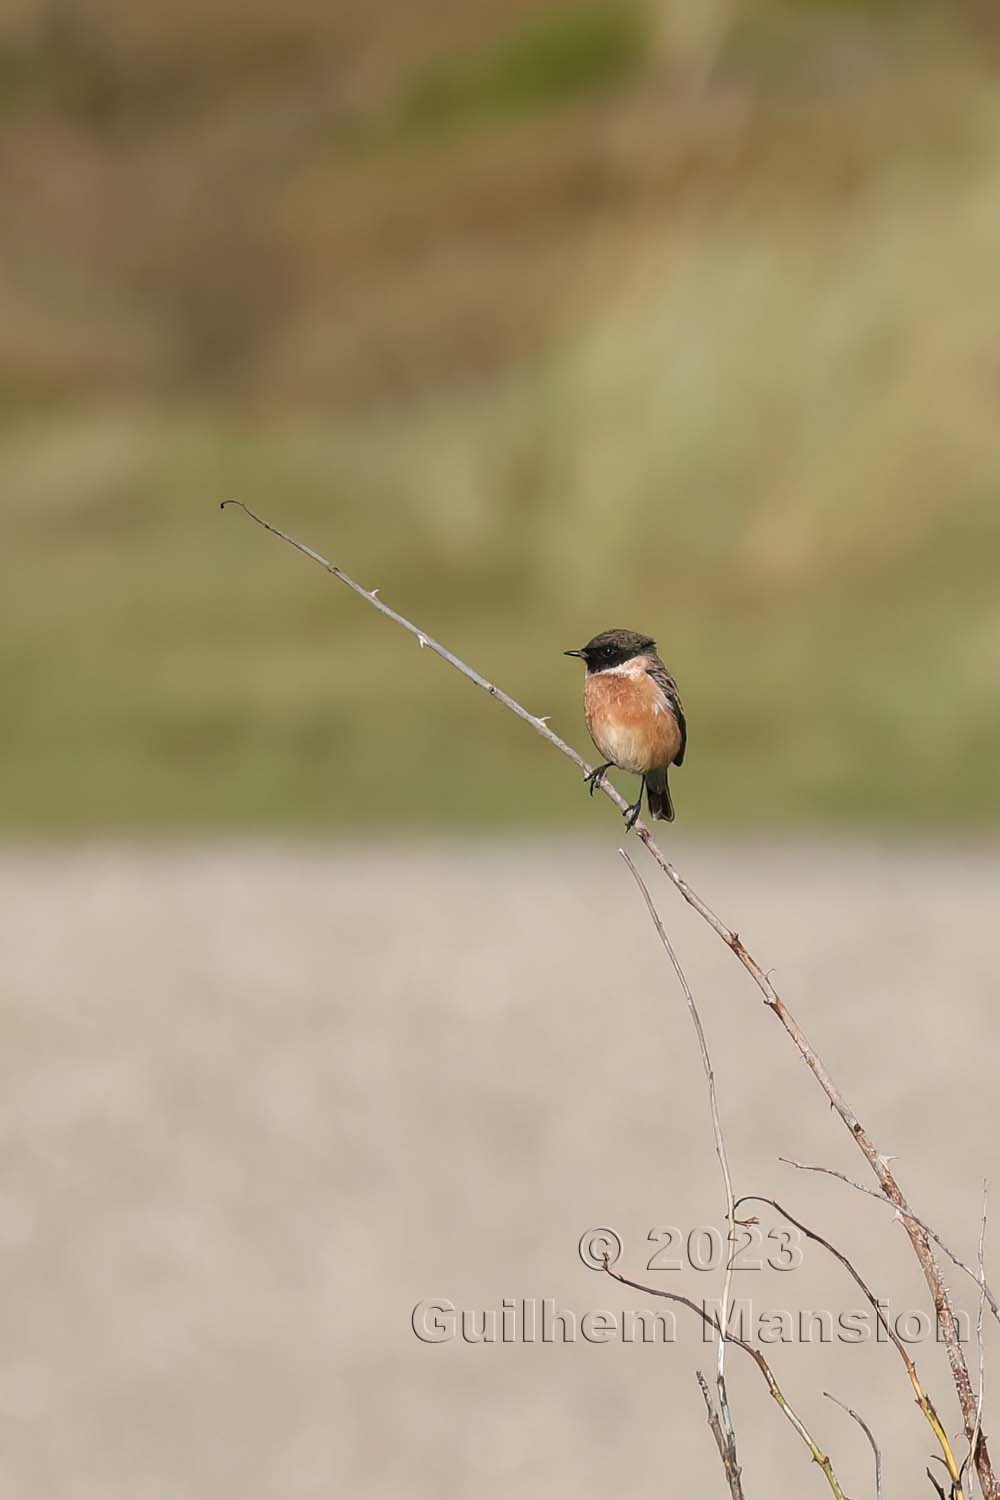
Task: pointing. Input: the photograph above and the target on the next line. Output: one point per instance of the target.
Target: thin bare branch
(711, 1320)
(979, 1328)
(937, 1486)
(720, 1151)
(903, 1212)
(876, 1160)
(726, 1453)
(923, 1400)
(868, 1434)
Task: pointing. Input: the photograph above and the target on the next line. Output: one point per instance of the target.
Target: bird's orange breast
(630, 720)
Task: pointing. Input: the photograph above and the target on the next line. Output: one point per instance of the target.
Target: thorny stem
(924, 1402)
(977, 1276)
(712, 1321)
(728, 1430)
(878, 1163)
(727, 1450)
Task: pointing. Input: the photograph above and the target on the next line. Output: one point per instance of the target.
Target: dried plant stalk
(924, 1402)
(726, 1435)
(869, 1435)
(727, 1453)
(711, 1320)
(877, 1161)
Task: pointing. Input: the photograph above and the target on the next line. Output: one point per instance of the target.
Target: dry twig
(868, 1434)
(712, 1321)
(726, 1452)
(923, 1400)
(904, 1213)
(728, 1432)
(974, 1440)
(878, 1163)
(938, 1487)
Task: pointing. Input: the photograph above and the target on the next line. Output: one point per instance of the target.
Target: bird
(634, 716)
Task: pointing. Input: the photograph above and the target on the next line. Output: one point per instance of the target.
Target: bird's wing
(668, 688)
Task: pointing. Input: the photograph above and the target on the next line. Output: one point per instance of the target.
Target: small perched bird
(634, 715)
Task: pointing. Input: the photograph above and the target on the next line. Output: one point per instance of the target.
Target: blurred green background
(540, 317)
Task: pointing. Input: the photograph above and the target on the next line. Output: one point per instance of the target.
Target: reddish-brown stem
(876, 1160)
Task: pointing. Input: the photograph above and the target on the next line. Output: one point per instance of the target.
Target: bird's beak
(574, 653)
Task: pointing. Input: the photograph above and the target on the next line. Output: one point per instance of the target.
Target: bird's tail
(658, 796)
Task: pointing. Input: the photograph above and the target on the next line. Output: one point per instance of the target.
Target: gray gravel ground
(259, 1102)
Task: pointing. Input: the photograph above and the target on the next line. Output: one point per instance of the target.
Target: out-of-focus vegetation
(542, 318)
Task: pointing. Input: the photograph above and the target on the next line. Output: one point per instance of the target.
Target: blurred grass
(559, 57)
(693, 328)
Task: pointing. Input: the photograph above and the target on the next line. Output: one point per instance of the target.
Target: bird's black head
(613, 647)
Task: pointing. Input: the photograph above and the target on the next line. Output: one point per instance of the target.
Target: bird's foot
(595, 777)
(632, 814)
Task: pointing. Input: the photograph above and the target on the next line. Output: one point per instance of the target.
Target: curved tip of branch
(224, 503)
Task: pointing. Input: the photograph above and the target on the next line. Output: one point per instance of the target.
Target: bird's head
(612, 648)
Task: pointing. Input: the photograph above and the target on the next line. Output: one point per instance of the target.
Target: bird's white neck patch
(635, 667)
